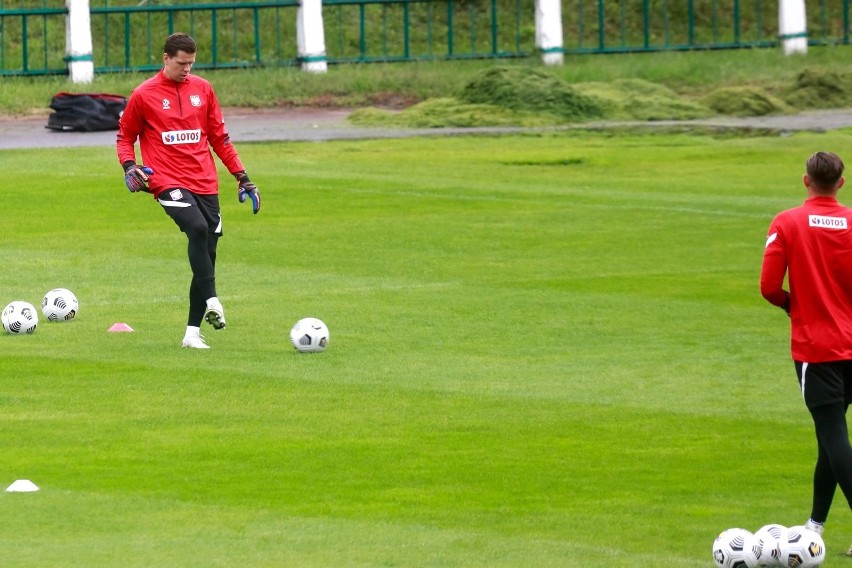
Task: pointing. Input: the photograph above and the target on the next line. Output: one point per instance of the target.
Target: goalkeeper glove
(136, 176)
(247, 189)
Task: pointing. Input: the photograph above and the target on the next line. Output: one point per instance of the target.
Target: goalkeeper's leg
(208, 205)
(187, 212)
(834, 462)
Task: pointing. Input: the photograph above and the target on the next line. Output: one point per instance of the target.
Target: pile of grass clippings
(444, 113)
(821, 88)
(636, 99)
(530, 89)
(745, 101)
(517, 95)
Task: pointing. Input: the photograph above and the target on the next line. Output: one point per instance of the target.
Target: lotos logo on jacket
(182, 137)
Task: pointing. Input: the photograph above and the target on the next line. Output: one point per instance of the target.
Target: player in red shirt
(812, 245)
(176, 118)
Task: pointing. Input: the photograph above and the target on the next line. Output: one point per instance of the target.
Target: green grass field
(546, 350)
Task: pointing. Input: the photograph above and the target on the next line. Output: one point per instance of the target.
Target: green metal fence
(393, 30)
(232, 35)
(263, 33)
(607, 26)
(32, 40)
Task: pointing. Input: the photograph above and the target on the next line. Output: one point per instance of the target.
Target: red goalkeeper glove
(136, 176)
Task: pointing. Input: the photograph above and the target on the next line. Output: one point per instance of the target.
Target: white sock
(192, 331)
(815, 526)
(213, 300)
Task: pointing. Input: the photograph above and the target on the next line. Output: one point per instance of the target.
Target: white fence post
(792, 26)
(548, 31)
(310, 36)
(78, 42)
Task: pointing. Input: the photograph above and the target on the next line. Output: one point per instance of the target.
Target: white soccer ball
(19, 317)
(769, 536)
(736, 548)
(59, 304)
(310, 335)
(801, 548)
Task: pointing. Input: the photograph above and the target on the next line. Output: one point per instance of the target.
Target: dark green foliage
(530, 89)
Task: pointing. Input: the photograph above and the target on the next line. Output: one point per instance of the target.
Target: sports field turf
(546, 350)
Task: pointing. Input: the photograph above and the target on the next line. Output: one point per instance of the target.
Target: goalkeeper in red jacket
(177, 120)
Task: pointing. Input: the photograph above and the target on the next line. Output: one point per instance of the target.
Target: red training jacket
(812, 244)
(176, 125)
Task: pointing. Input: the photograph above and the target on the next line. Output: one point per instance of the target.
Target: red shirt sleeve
(218, 137)
(774, 268)
(129, 127)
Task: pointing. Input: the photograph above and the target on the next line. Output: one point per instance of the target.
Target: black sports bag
(85, 112)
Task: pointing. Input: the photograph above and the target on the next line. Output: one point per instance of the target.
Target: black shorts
(188, 209)
(825, 383)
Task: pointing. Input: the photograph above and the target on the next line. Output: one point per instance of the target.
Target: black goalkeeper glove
(247, 189)
(136, 176)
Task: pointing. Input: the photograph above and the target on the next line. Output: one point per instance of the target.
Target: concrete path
(310, 124)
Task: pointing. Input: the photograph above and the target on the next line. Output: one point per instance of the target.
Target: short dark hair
(825, 169)
(179, 42)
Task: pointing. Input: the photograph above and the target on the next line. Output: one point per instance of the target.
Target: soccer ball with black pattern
(736, 548)
(310, 335)
(19, 318)
(769, 536)
(801, 548)
(59, 304)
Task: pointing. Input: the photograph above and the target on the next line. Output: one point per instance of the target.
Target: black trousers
(199, 217)
(827, 391)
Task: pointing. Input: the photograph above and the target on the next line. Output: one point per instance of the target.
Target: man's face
(178, 67)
